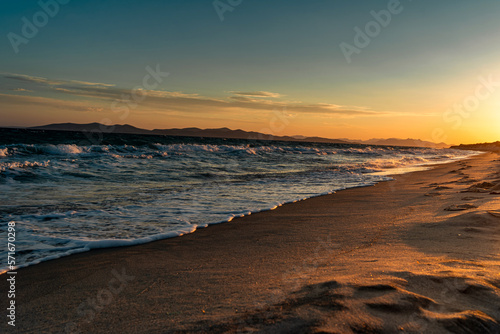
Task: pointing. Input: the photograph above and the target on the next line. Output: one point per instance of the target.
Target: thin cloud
(92, 83)
(164, 93)
(35, 101)
(258, 94)
(179, 102)
(249, 99)
(33, 79)
(41, 80)
(21, 90)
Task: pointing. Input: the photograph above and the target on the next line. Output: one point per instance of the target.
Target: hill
(485, 147)
(232, 134)
(402, 142)
(186, 132)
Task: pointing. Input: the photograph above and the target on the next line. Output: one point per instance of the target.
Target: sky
(339, 69)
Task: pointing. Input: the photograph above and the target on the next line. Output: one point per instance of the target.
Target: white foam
(137, 201)
(64, 149)
(15, 165)
(85, 246)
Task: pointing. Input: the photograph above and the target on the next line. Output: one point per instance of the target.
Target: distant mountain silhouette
(93, 127)
(186, 132)
(486, 147)
(402, 142)
(233, 134)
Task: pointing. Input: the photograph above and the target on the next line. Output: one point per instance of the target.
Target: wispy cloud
(91, 83)
(249, 99)
(41, 80)
(172, 101)
(47, 103)
(258, 94)
(21, 90)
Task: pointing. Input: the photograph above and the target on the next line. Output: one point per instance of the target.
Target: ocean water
(70, 192)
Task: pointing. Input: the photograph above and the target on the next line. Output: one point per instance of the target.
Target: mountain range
(228, 133)
(402, 142)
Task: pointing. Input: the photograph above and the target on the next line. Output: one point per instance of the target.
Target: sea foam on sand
(437, 271)
(385, 259)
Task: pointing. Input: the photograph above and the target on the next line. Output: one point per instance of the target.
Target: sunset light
(237, 166)
(407, 73)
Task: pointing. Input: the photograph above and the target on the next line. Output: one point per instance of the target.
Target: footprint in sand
(420, 304)
(460, 207)
(495, 190)
(482, 187)
(466, 180)
(369, 290)
(409, 303)
(494, 213)
(442, 188)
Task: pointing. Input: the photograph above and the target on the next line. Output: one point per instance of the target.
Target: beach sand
(420, 254)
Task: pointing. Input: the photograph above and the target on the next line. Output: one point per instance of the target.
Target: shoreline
(230, 271)
(118, 243)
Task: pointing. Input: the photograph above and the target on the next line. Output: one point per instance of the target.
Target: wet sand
(419, 254)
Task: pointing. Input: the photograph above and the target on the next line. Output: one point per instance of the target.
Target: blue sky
(427, 59)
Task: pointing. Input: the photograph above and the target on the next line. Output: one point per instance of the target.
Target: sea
(70, 192)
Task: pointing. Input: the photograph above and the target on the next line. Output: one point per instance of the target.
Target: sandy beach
(420, 254)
